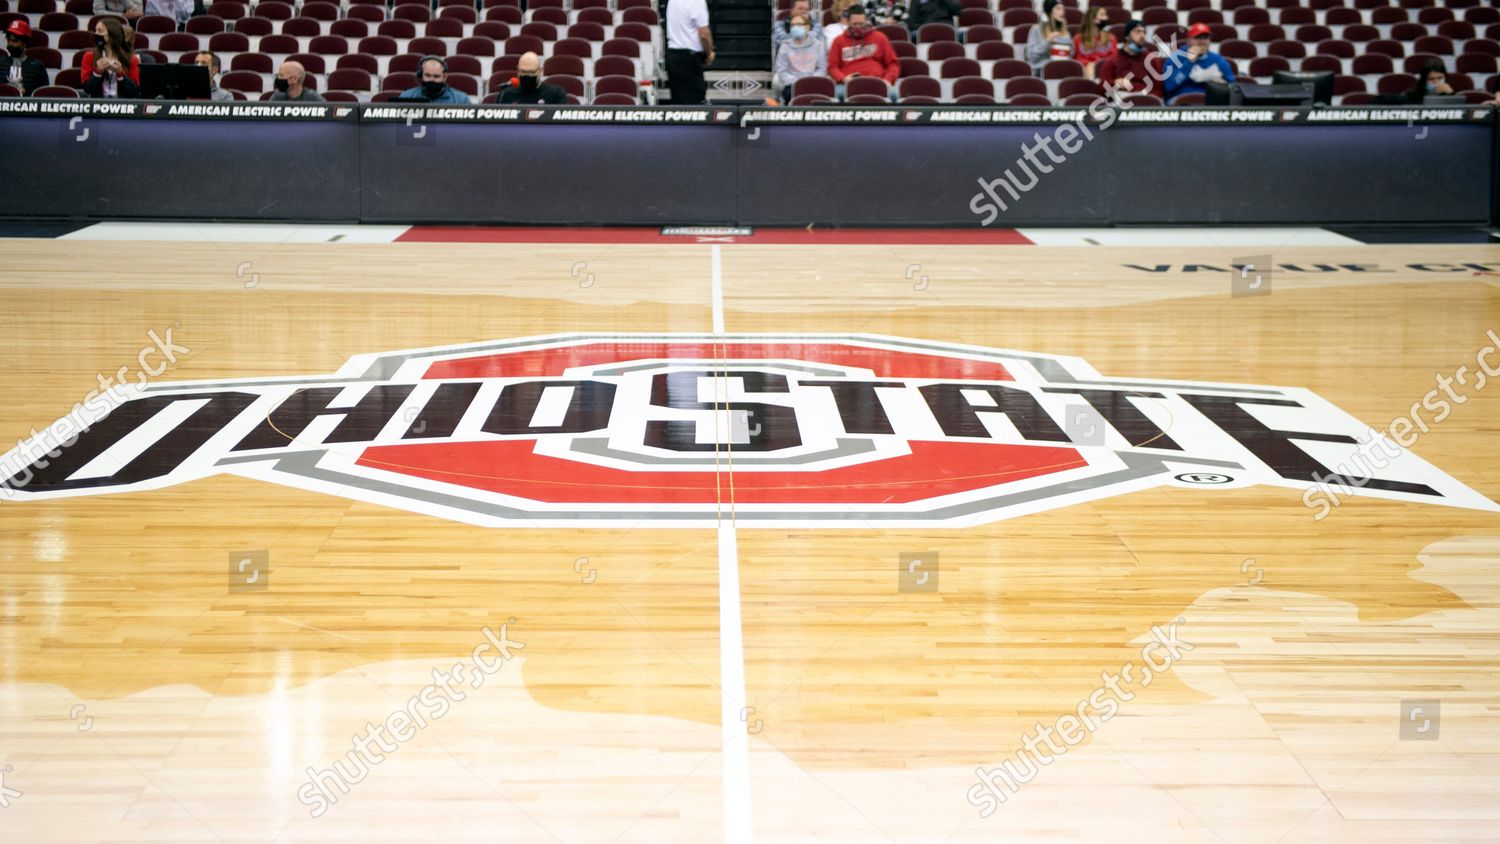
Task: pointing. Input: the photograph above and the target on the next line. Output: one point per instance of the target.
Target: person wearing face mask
(801, 55)
(434, 87)
(1049, 39)
(177, 10)
(1094, 43)
(111, 69)
(1433, 81)
(211, 61)
(782, 30)
(527, 86)
(290, 84)
(1135, 68)
(861, 51)
(16, 69)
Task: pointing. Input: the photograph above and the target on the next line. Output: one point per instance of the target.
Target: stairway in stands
(741, 72)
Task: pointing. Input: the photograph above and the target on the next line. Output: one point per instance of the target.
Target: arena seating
(1373, 46)
(364, 50)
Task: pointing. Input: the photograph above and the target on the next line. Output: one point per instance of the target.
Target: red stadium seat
(1435, 15)
(228, 9)
(1476, 63)
(253, 63)
(969, 85)
(944, 50)
(621, 47)
(1320, 64)
(1408, 31)
(811, 100)
(975, 99)
(404, 63)
(820, 86)
(1457, 30)
(1020, 85)
(867, 99)
(443, 28)
(180, 42)
(348, 28)
(614, 66)
(919, 86)
(1357, 99)
(1061, 69)
(509, 15)
(1388, 16)
(1373, 65)
(1188, 100)
(311, 62)
(463, 14)
(970, 18)
(954, 68)
(586, 32)
(894, 32)
(415, 14)
(556, 17)
(1386, 47)
(1347, 85)
(913, 67)
(255, 27)
(867, 85)
(648, 17)
(56, 91)
(616, 100)
(983, 34)
(1435, 44)
(69, 77)
(1208, 16)
(1266, 66)
(1335, 47)
(1147, 100)
(302, 27)
(328, 45)
(7, 90)
(1009, 68)
(239, 80)
(616, 84)
(205, 25)
(275, 10)
(1250, 16)
(398, 81)
(933, 32)
(904, 49)
(1028, 100)
(518, 44)
(397, 29)
(563, 66)
(1286, 49)
(340, 97)
(1361, 33)
(427, 46)
(993, 51)
(634, 31)
(228, 42)
(1266, 32)
(1395, 83)
(1343, 16)
(149, 24)
(368, 14)
(1071, 87)
(543, 31)
(358, 61)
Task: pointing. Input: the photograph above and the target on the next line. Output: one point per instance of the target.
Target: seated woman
(801, 55)
(112, 69)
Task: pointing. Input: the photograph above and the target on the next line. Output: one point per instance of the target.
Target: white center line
(733, 715)
(718, 294)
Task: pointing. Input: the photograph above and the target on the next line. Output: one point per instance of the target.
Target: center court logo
(666, 430)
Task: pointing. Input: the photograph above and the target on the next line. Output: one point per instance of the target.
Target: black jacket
(544, 94)
(125, 87)
(919, 12)
(33, 74)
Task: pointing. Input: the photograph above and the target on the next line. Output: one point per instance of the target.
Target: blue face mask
(799, 32)
(1432, 87)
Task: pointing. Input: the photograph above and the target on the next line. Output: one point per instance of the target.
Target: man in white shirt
(690, 48)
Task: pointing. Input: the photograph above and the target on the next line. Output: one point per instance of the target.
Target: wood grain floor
(870, 708)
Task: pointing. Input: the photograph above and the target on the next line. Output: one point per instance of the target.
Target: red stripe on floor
(578, 234)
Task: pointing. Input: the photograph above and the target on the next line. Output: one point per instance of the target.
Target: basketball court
(772, 535)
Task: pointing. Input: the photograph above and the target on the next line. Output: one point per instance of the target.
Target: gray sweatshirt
(795, 61)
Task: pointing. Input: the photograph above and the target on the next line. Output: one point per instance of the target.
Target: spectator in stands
(801, 55)
(527, 86)
(130, 39)
(434, 87)
(177, 10)
(112, 68)
(690, 49)
(1094, 43)
(127, 9)
(921, 12)
(1189, 68)
(290, 85)
(16, 68)
(1049, 39)
(211, 61)
(840, 20)
(886, 11)
(782, 30)
(1432, 82)
(1135, 68)
(861, 51)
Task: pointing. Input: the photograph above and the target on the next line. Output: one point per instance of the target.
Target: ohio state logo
(671, 430)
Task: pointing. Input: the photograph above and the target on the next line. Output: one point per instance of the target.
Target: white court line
(718, 294)
(738, 826)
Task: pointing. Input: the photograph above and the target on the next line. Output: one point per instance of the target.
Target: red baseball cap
(20, 29)
(1199, 30)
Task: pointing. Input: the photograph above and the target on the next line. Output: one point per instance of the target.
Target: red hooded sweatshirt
(868, 56)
